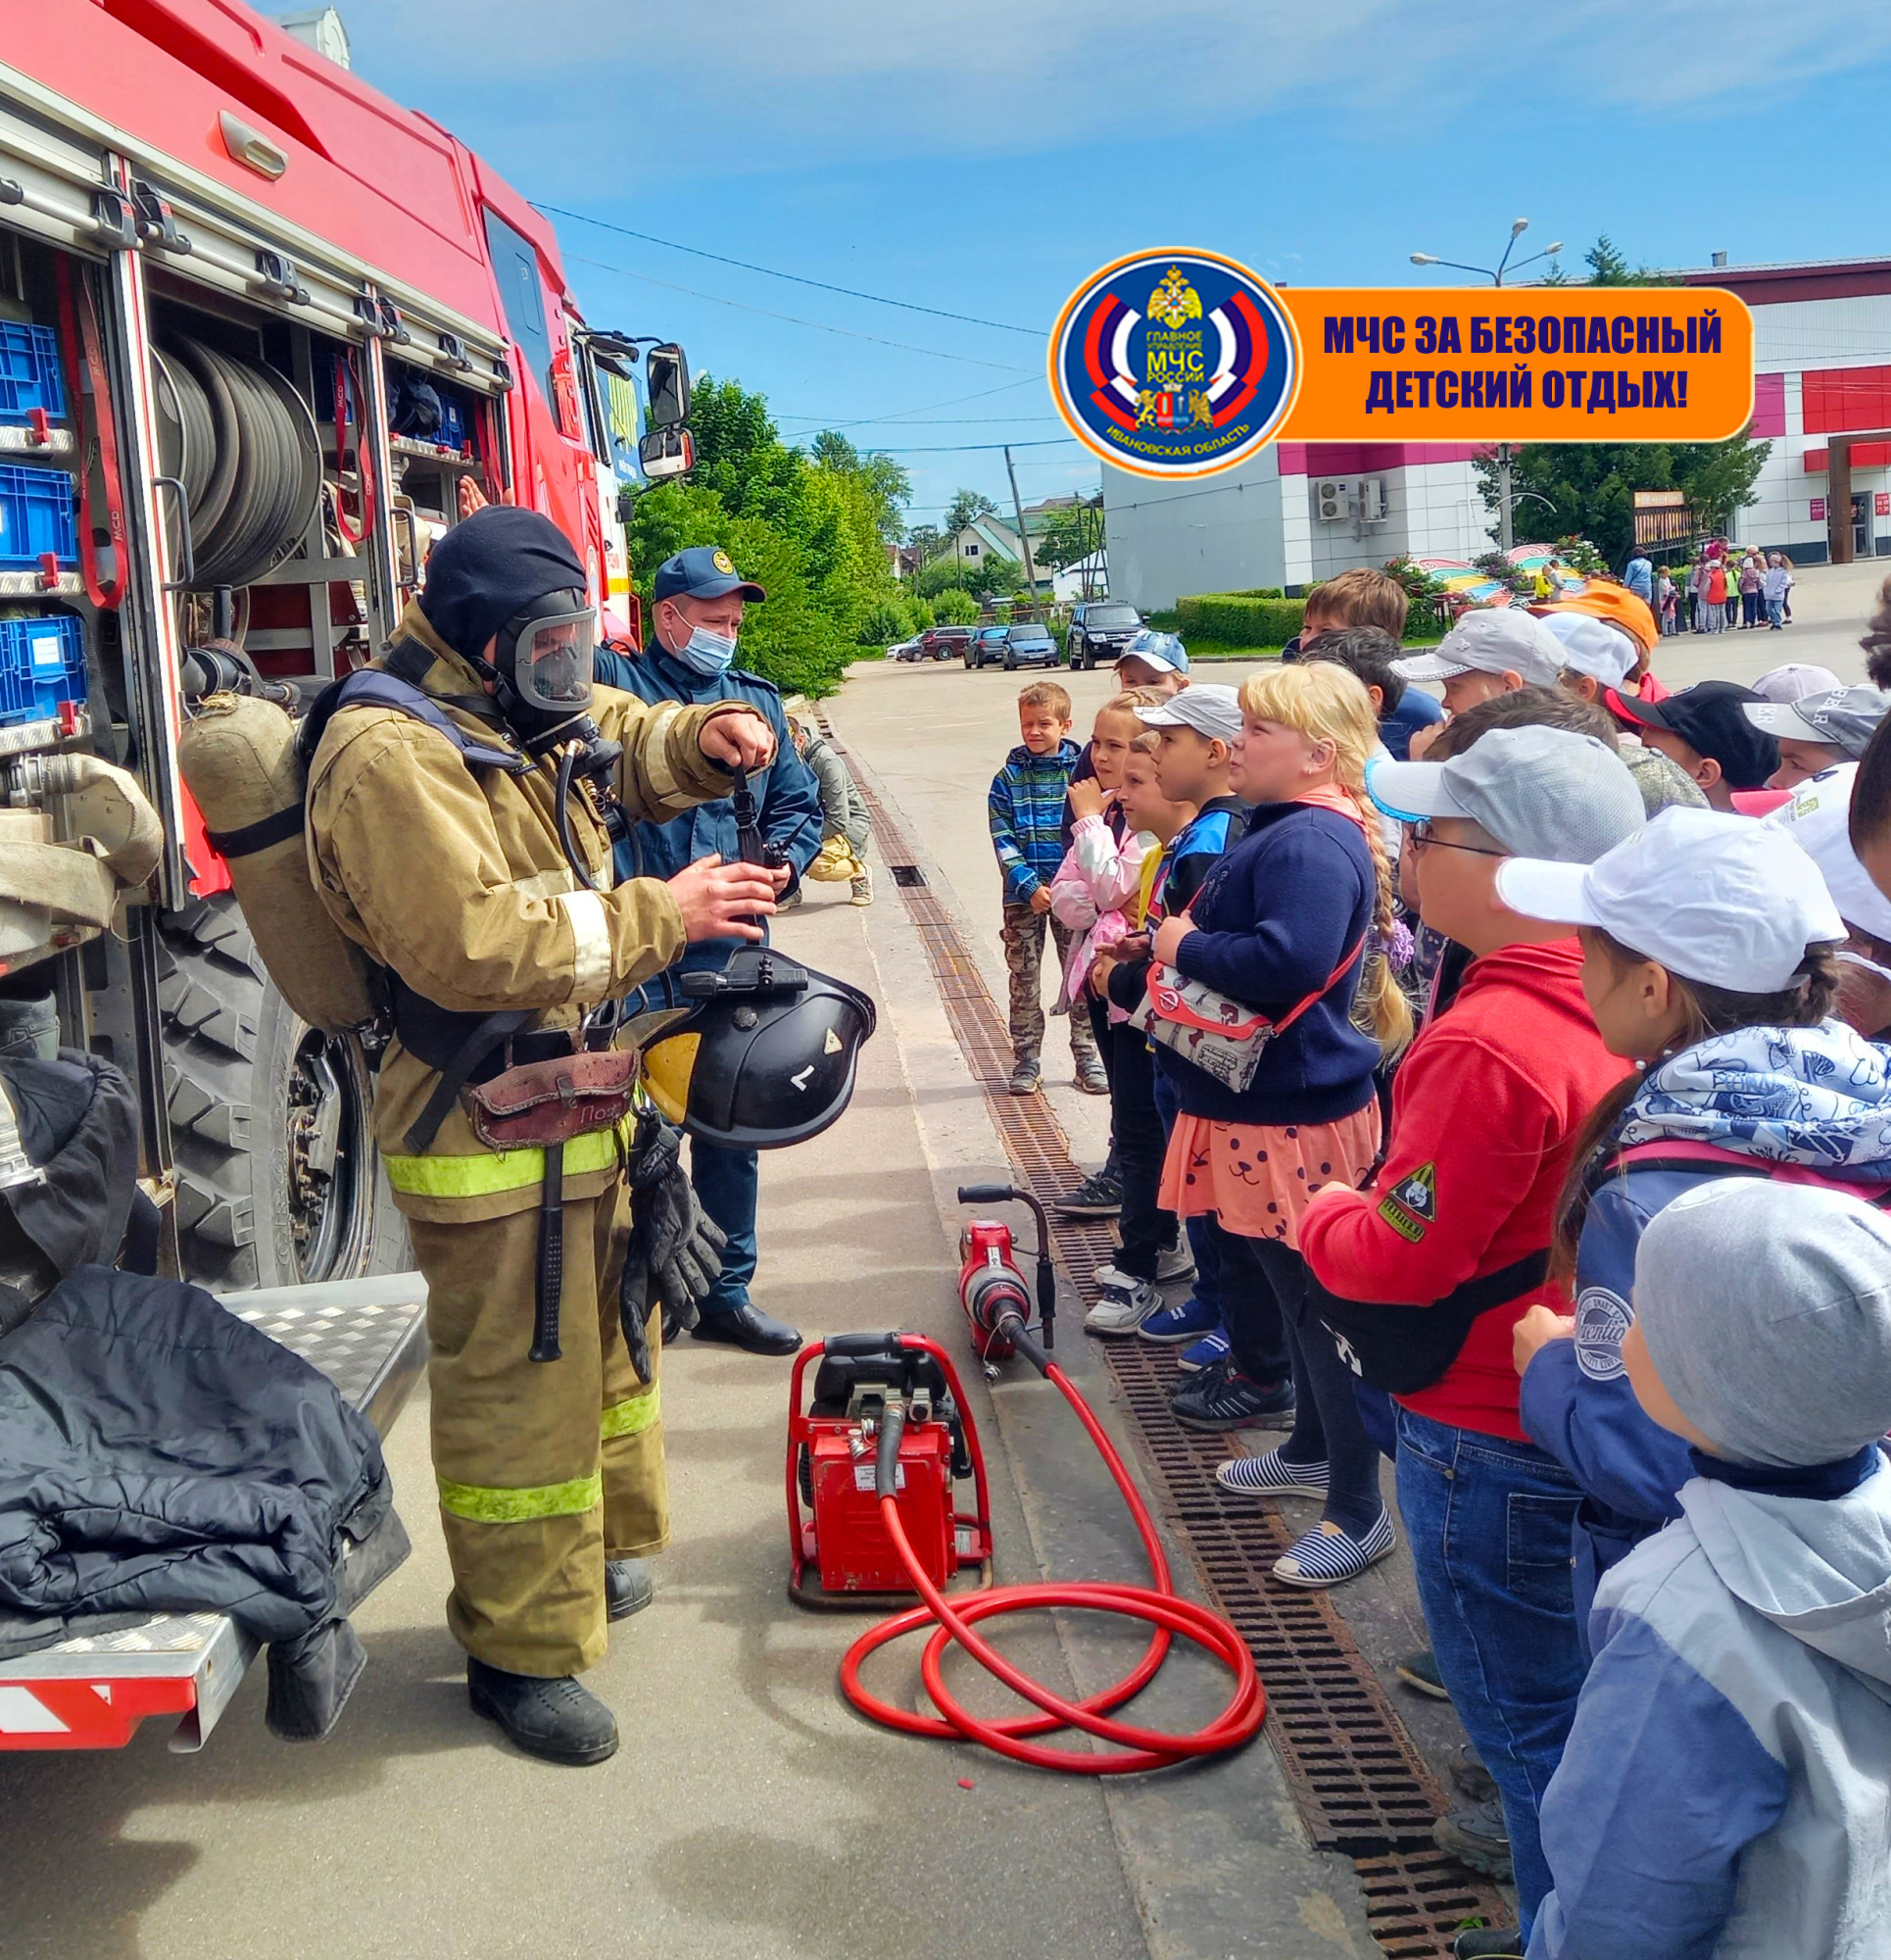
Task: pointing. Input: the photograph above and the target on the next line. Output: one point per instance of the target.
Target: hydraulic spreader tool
(875, 1462)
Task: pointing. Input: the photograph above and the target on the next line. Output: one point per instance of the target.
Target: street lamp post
(1495, 274)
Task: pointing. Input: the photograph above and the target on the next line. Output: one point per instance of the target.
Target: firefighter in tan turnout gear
(460, 796)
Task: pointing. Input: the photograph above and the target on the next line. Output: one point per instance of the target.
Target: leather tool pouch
(538, 1104)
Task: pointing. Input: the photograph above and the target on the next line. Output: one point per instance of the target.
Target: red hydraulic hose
(1132, 1748)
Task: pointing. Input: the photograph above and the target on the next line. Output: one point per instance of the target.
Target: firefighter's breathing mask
(542, 660)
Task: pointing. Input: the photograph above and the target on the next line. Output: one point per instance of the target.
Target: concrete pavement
(749, 1814)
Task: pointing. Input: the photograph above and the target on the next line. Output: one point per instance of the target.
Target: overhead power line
(968, 448)
(819, 326)
(894, 414)
(770, 272)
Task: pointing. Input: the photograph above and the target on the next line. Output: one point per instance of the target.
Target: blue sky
(986, 157)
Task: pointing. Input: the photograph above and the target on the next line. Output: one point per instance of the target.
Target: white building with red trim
(1300, 511)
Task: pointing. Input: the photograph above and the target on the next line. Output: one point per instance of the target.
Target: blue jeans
(1489, 1523)
(1775, 613)
(726, 1185)
(1202, 1232)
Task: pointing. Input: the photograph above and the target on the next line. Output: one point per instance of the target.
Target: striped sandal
(1329, 1556)
(1268, 1474)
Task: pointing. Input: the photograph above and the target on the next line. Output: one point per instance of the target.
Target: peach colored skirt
(1256, 1177)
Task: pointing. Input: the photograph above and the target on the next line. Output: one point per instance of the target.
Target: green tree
(1067, 537)
(1590, 486)
(809, 532)
(884, 483)
(928, 540)
(954, 607)
(966, 506)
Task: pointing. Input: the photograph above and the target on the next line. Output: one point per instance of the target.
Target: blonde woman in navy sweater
(1293, 923)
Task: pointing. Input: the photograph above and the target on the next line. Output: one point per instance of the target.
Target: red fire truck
(264, 334)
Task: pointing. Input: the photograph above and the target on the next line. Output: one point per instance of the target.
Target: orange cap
(1604, 598)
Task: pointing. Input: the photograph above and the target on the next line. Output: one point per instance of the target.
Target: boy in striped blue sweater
(1026, 807)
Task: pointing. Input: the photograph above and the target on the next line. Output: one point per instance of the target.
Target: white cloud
(741, 84)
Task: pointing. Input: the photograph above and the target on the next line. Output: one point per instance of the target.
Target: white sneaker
(860, 889)
(1175, 1262)
(1123, 1306)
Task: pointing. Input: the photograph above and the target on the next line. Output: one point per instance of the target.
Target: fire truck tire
(277, 1180)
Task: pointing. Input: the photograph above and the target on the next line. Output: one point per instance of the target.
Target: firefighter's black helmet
(766, 1056)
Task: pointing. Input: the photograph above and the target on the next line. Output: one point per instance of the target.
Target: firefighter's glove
(675, 1251)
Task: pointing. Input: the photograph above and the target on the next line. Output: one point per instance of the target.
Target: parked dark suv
(943, 643)
(1100, 630)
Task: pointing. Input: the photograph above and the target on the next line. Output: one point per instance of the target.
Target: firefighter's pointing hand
(739, 739)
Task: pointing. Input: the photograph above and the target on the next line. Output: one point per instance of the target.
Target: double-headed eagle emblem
(1175, 301)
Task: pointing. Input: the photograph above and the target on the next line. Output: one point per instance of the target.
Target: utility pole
(1495, 274)
(1024, 536)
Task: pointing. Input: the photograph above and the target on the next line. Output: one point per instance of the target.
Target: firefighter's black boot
(552, 1718)
(628, 1587)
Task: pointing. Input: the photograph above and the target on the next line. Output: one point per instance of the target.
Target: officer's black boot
(628, 1587)
(552, 1718)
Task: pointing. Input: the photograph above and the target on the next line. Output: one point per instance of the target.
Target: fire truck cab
(263, 335)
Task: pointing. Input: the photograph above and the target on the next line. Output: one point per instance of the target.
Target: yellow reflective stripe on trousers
(633, 1417)
(497, 1170)
(495, 1504)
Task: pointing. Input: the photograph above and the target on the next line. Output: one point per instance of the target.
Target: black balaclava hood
(488, 568)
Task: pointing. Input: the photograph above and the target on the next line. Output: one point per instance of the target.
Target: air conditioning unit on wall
(1332, 500)
(1372, 500)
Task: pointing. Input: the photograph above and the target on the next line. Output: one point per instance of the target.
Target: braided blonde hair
(1328, 704)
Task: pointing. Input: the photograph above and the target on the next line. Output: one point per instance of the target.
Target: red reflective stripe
(363, 456)
(85, 332)
(89, 1719)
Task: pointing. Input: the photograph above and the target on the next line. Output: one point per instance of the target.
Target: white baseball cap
(1715, 898)
(1816, 820)
(1493, 640)
(1208, 708)
(1794, 681)
(1593, 647)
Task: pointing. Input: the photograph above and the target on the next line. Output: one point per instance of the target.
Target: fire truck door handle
(188, 552)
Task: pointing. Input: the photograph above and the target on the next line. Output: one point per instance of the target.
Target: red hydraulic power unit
(840, 1552)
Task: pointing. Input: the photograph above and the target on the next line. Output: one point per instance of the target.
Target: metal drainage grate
(907, 875)
(1361, 1785)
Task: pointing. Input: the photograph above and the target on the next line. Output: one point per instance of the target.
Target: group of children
(1600, 1257)
(1724, 588)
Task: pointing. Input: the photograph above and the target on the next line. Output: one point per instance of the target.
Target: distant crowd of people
(1508, 1072)
(1722, 586)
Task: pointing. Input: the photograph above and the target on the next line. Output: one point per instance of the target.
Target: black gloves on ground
(675, 1251)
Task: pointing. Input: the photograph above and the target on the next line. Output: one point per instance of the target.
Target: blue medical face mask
(705, 653)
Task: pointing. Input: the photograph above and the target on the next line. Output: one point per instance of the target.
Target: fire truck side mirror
(665, 453)
(666, 387)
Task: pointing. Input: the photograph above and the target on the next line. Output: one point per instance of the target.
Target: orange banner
(1522, 363)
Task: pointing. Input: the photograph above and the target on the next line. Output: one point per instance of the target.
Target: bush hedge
(1247, 619)
(1233, 620)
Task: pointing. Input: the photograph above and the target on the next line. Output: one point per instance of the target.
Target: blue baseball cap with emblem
(703, 571)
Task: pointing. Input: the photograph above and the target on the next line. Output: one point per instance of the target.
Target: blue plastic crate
(42, 662)
(35, 518)
(29, 376)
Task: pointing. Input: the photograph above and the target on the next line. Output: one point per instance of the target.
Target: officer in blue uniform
(697, 616)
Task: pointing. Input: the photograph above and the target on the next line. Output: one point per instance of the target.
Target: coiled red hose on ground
(1131, 1747)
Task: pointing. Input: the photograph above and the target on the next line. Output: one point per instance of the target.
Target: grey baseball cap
(1208, 708)
(1845, 718)
(1767, 1311)
(1492, 640)
(1539, 792)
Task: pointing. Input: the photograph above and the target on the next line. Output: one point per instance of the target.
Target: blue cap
(1162, 651)
(703, 571)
